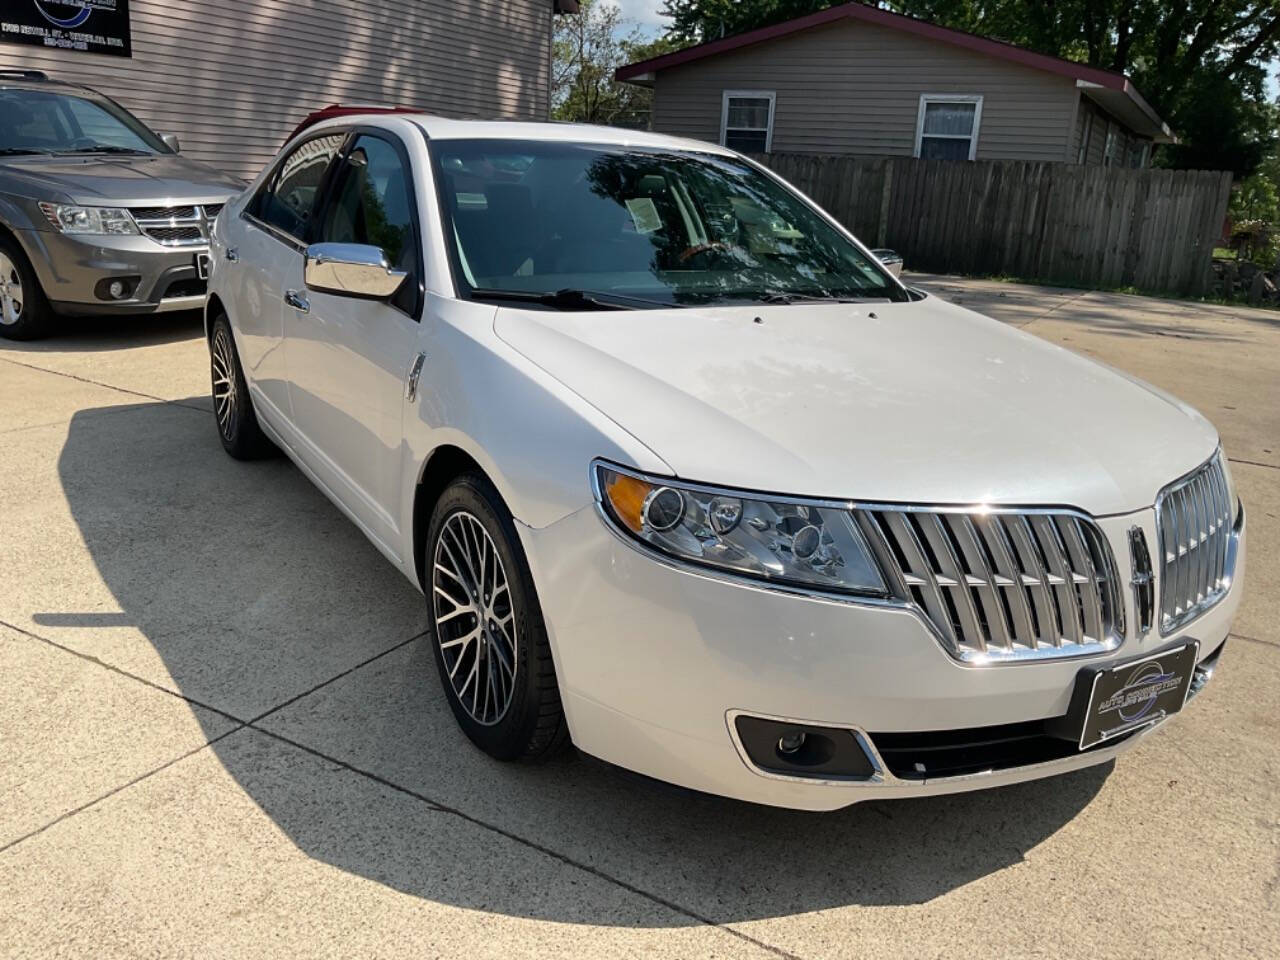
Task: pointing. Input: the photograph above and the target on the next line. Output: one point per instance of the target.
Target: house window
(746, 120)
(1113, 143)
(947, 126)
(1082, 155)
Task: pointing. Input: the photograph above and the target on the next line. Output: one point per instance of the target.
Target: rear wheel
(487, 631)
(232, 408)
(24, 311)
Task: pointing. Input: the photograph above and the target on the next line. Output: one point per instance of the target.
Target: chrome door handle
(233, 255)
(296, 300)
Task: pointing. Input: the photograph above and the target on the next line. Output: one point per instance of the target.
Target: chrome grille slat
(183, 225)
(988, 590)
(1194, 519)
(1016, 594)
(1001, 585)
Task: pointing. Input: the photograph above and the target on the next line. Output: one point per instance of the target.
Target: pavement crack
(530, 844)
(117, 789)
(124, 673)
(1265, 643)
(1254, 463)
(336, 677)
(106, 386)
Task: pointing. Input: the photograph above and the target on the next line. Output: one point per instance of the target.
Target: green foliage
(1200, 63)
(1254, 198)
(696, 21)
(588, 47)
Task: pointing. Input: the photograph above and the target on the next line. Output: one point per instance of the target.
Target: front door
(349, 358)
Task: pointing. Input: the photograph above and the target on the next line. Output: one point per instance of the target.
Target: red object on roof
(343, 110)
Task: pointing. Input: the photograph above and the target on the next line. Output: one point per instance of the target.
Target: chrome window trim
(286, 238)
(1049, 655)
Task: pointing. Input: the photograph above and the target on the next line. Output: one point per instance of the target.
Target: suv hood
(120, 180)
(920, 402)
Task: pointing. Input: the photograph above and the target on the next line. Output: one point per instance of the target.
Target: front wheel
(232, 408)
(24, 312)
(487, 631)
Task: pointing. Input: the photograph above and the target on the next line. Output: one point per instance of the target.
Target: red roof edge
(895, 21)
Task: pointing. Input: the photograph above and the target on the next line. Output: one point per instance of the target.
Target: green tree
(1201, 63)
(588, 47)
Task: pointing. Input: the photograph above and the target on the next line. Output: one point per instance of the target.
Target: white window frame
(728, 95)
(928, 98)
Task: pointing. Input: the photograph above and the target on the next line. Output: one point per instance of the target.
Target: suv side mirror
(170, 141)
(351, 270)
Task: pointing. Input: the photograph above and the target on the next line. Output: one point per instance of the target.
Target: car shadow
(90, 334)
(253, 590)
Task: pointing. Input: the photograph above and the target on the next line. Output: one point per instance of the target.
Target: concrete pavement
(221, 733)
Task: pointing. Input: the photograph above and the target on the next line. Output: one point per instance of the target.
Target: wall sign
(88, 26)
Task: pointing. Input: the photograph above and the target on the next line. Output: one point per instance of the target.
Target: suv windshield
(658, 226)
(57, 121)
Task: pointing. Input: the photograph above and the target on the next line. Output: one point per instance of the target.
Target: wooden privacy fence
(1065, 223)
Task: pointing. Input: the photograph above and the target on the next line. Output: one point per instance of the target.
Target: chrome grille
(176, 226)
(1002, 586)
(1194, 519)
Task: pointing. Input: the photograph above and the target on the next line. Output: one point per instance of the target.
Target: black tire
(531, 728)
(233, 412)
(36, 317)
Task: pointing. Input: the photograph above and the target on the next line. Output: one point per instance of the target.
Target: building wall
(1129, 146)
(853, 87)
(233, 77)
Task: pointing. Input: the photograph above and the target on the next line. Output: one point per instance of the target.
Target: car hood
(120, 180)
(921, 402)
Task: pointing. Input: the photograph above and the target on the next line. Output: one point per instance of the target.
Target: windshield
(47, 121)
(662, 227)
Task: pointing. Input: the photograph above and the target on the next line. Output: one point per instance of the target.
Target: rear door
(349, 358)
(265, 250)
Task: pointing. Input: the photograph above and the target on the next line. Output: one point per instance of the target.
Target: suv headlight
(69, 218)
(780, 540)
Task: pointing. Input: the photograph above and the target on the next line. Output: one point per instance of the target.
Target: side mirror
(170, 141)
(351, 270)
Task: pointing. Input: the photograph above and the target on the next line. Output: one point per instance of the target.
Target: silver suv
(98, 214)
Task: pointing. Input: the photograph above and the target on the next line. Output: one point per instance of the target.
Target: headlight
(784, 541)
(69, 218)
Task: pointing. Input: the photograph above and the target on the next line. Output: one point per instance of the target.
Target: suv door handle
(233, 255)
(296, 300)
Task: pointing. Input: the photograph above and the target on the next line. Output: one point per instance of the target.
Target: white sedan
(690, 480)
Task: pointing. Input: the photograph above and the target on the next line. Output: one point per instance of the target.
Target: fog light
(791, 742)
(117, 289)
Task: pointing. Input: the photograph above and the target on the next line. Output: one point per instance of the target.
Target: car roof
(446, 128)
(14, 79)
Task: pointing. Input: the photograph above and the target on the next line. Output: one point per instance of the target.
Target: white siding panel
(853, 87)
(233, 77)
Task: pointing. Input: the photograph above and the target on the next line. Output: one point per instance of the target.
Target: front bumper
(654, 661)
(70, 268)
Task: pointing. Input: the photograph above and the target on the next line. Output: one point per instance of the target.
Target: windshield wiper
(571, 299)
(780, 296)
(108, 148)
(21, 152)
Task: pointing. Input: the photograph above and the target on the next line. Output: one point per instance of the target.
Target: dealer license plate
(1138, 692)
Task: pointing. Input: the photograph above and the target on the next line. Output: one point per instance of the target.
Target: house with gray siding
(855, 79)
(233, 77)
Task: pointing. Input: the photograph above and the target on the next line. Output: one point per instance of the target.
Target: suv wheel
(232, 408)
(487, 632)
(24, 312)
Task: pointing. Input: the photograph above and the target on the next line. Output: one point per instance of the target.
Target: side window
(372, 204)
(287, 199)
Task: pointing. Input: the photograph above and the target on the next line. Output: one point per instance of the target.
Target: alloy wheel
(11, 299)
(225, 394)
(475, 619)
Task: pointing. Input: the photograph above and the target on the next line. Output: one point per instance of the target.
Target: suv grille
(1002, 586)
(1194, 518)
(181, 226)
